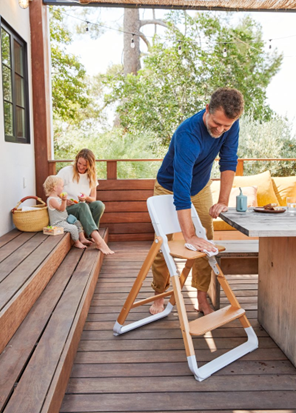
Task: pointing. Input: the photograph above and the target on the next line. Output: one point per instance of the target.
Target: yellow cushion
(283, 187)
(263, 181)
(220, 225)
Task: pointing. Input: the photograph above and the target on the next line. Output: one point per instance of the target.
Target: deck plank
(19, 349)
(154, 402)
(4, 239)
(145, 370)
(25, 246)
(14, 244)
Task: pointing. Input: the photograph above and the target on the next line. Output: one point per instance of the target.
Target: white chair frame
(165, 221)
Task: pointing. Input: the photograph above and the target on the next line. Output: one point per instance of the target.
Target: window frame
(25, 90)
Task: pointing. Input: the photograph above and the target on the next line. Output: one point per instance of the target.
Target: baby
(58, 215)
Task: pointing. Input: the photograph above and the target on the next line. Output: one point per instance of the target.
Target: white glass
(291, 204)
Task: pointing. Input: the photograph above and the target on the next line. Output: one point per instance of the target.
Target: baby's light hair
(50, 182)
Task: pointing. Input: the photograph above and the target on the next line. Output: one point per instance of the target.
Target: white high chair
(165, 221)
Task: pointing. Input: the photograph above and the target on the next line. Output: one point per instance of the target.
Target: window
(15, 86)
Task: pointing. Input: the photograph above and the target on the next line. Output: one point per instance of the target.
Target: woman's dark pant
(88, 214)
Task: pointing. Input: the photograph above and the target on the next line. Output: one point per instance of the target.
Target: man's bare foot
(157, 306)
(78, 244)
(203, 306)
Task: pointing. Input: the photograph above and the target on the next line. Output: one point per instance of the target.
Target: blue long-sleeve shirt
(186, 168)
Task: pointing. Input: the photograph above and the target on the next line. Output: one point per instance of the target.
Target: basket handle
(24, 199)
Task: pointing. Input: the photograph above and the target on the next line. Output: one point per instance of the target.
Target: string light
(224, 51)
(133, 42)
(179, 48)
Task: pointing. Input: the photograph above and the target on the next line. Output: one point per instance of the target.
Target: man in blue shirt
(185, 173)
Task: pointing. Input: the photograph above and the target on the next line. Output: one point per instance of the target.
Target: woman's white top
(74, 188)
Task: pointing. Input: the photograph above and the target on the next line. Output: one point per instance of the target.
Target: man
(185, 173)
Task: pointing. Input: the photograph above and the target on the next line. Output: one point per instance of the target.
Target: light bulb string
(151, 37)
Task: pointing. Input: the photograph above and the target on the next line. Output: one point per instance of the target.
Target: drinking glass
(291, 204)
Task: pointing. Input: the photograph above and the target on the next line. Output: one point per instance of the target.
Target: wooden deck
(146, 370)
(46, 289)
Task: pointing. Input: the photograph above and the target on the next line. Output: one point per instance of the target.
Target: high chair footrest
(214, 320)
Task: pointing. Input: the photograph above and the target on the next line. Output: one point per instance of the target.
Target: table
(277, 271)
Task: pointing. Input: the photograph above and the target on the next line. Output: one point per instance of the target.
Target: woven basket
(31, 221)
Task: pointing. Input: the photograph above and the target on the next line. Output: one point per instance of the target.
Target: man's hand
(69, 202)
(216, 209)
(200, 244)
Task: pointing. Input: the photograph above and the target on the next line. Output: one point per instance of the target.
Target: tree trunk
(131, 24)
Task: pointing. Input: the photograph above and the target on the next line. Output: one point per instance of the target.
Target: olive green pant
(89, 214)
(201, 270)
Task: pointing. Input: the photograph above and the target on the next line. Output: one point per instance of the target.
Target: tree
(183, 70)
(131, 40)
(69, 84)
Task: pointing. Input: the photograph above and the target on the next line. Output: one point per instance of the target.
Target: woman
(80, 183)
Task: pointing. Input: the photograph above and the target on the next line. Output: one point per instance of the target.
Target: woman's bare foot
(84, 241)
(78, 244)
(102, 246)
(203, 306)
(100, 243)
(157, 306)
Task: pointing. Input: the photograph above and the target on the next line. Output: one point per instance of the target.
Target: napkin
(209, 253)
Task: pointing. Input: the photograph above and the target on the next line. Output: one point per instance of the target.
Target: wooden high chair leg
(229, 293)
(184, 324)
(130, 302)
(183, 278)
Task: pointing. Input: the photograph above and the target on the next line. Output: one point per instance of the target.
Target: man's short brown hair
(230, 100)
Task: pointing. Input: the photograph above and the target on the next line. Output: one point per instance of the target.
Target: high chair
(165, 221)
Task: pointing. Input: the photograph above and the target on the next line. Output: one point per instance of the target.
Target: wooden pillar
(41, 91)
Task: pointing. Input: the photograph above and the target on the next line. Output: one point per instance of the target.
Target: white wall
(16, 160)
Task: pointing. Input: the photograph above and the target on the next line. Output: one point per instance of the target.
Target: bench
(36, 362)
(239, 257)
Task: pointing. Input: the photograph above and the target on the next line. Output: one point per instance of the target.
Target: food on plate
(271, 207)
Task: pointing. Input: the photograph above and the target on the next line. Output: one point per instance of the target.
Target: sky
(97, 55)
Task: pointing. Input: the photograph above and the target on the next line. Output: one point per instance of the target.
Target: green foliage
(115, 144)
(173, 86)
(271, 139)
(69, 86)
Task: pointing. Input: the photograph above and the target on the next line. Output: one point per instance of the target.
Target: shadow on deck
(146, 370)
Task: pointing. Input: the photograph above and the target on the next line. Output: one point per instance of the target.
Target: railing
(112, 164)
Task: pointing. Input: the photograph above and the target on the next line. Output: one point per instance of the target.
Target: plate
(261, 209)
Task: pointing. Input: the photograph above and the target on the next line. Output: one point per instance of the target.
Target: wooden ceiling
(232, 5)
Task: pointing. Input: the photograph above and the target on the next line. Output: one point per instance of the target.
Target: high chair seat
(178, 250)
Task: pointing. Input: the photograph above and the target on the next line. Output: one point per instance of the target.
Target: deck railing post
(112, 169)
(52, 168)
(240, 167)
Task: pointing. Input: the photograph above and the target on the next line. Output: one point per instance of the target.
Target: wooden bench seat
(26, 267)
(36, 363)
(239, 257)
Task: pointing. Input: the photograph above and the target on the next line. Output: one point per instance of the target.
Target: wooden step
(214, 320)
(27, 263)
(36, 364)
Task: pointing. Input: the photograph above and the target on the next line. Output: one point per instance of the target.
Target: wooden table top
(258, 224)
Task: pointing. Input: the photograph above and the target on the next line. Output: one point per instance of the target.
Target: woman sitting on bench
(80, 183)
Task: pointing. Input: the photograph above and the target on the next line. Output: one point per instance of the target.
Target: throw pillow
(250, 191)
(284, 186)
(265, 191)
